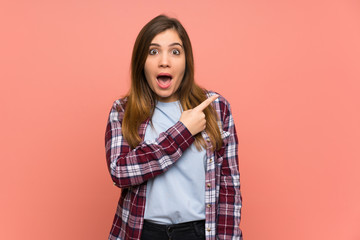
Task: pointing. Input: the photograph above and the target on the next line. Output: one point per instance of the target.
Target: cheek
(181, 66)
(147, 71)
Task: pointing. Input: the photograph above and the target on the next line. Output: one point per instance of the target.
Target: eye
(175, 52)
(153, 51)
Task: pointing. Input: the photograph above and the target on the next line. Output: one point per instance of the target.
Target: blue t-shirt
(178, 195)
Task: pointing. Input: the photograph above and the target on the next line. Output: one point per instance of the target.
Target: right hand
(194, 119)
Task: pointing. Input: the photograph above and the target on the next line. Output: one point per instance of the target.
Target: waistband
(174, 226)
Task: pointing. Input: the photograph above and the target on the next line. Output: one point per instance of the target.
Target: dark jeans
(182, 231)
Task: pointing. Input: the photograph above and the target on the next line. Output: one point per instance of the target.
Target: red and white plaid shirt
(130, 170)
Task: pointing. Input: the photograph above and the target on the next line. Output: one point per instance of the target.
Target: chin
(167, 97)
(163, 95)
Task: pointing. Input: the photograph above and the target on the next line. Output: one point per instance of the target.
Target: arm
(149, 159)
(229, 206)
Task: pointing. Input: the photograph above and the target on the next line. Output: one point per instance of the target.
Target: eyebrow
(170, 45)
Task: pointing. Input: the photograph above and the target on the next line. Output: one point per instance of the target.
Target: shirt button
(209, 205)
(114, 183)
(208, 229)
(211, 159)
(208, 185)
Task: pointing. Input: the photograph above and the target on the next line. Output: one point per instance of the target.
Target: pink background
(290, 70)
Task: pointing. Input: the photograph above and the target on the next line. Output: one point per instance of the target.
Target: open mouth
(164, 80)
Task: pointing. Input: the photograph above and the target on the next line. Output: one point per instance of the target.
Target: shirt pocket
(218, 165)
(220, 153)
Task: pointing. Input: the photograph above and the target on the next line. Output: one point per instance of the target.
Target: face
(165, 65)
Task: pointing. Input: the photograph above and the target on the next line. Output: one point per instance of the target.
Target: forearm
(149, 159)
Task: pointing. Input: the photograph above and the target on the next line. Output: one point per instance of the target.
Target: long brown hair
(141, 99)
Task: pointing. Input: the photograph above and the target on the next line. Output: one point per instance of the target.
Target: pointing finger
(206, 103)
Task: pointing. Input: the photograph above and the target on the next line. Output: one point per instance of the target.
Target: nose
(164, 61)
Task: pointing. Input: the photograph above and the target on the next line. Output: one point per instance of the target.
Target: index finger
(206, 103)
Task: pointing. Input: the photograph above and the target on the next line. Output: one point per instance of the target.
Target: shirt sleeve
(229, 206)
(129, 167)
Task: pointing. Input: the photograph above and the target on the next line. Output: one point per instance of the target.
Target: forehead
(167, 37)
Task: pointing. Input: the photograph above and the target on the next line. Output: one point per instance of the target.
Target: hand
(194, 119)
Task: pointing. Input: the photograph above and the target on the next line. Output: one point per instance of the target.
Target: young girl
(171, 146)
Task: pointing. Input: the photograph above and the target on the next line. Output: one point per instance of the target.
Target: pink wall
(289, 68)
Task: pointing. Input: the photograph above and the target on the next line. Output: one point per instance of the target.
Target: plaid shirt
(130, 170)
